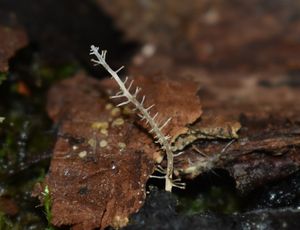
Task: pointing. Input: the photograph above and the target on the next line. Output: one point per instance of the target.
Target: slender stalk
(144, 114)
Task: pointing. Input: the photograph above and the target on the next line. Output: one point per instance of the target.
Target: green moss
(47, 206)
(5, 223)
(7, 146)
(26, 136)
(48, 75)
(3, 77)
(216, 199)
(24, 139)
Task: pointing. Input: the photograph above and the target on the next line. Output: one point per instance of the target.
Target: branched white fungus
(155, 127)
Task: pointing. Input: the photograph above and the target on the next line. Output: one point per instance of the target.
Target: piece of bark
(264, 152)
(269, 98)
(12, 38)
(208, 127)
(260, 109)
(103, 158)
(255, 34)
(267, 108)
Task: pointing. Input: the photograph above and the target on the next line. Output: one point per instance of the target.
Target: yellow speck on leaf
(118, 122)
(100, 125)
(108, 106)
(122, 145)
(103, 143)
(127, 110)
(92, 142)
(115, 112)
(104, 131)
(82, 154)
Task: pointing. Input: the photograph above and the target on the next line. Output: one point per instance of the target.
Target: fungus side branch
(144, 113)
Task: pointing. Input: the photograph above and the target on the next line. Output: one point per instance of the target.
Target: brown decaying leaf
(172, 98)
(99, 167)
(102, 158)
(11, 39)
(175, 99)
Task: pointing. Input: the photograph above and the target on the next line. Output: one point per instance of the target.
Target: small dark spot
(83, 191)
(131, 202)
(91, 158)
(265, 84)
(72, 140)
(291, 80)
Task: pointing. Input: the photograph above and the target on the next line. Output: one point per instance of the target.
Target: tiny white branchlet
(155, 127)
